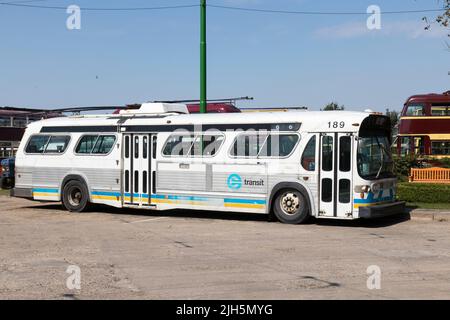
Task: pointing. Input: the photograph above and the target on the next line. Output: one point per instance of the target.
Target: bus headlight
(365, 189)
(375, 188)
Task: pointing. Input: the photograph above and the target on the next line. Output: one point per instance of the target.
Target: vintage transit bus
(424, 128)
(333, 164)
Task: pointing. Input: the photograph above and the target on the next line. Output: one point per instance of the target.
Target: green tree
(333, 106)
(442, 19)
(394, 116)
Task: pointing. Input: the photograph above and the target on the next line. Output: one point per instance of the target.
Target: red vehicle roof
(431, 97)
(214, 108)
(195, 108)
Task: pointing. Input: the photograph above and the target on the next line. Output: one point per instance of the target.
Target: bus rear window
(37, 144)
(47, 144)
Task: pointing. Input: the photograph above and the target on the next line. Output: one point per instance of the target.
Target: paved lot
(194, 255)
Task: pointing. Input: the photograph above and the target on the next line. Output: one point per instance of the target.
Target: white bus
(297, 164)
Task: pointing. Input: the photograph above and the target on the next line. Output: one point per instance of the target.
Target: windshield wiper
(382, 158)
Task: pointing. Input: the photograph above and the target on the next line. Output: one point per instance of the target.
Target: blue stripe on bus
(182, 198)
(45, 190)
(105, 193)
(187, 198)
(245, 201)
(372, 200)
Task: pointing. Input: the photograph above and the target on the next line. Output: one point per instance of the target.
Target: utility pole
(203, 74)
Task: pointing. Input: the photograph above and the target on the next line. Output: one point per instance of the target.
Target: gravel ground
(131, 254)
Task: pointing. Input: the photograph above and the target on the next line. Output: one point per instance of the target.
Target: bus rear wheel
(291, 207)
(75, 196)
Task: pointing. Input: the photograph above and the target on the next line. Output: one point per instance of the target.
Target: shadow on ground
(236, 216)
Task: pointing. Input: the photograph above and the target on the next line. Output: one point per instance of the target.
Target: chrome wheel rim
(75, 196)
(290, 203)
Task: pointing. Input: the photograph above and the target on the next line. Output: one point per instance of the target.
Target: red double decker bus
(424, 128)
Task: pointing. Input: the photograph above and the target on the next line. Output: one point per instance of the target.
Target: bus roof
(430, 97)
(312, 121)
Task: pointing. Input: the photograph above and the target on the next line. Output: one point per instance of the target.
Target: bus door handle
(184, 166)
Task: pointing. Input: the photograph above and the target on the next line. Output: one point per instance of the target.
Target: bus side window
(57, 144)
(327, 190)
(279, 145)
(136, 147)
(86, 144)
(179, 145)
(344, 154)
(127, 181)
(37, 144)
(154, 147)
(248, 145)
(415, 111)
(127, 147)
(145, 147)
(211, 144)
(327, 153)
(144, 182)
(104, 145)
(309, 155)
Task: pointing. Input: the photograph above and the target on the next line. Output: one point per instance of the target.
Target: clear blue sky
(281, 60)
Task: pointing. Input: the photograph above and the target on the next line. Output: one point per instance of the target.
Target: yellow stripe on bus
(44, 194)
(189, 202)
(110, 198)
(357, 205)
(244, 205)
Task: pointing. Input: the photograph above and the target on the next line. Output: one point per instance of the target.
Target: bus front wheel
(75, 196)
(291, 207)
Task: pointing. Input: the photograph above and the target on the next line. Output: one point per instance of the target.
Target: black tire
(7, 183)
(75, 196)
(291, 207)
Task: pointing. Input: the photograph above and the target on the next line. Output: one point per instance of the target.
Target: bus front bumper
(382, 210)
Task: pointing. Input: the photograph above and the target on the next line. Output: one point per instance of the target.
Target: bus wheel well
(279, 188)
(72, 177)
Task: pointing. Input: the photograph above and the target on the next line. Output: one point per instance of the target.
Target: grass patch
(424, 193)
(4, 192)
(423, 205)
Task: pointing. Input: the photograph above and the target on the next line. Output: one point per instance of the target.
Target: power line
(321, 12)
(97, 9)
(23, 3)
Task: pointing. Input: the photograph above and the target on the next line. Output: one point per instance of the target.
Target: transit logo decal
(234, 181)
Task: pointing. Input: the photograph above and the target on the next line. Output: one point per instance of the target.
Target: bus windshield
(374, 157)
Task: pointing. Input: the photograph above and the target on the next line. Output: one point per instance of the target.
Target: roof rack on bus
(156, 108)
(272, 109)
(229, 100)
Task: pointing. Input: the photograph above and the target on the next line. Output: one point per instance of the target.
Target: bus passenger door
(335, 175)
(137, 171)
(344, 175)
(326, 185)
